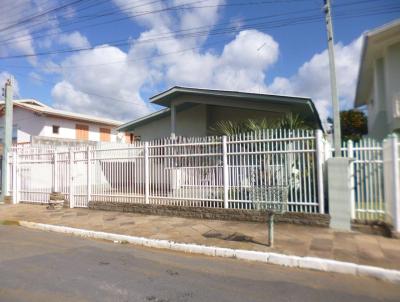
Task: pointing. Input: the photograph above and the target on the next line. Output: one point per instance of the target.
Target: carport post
(173, 121)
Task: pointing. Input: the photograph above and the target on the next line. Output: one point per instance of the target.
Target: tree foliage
(288, 121)
(354, 124)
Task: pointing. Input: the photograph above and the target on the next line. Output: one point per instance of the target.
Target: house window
(129, 138)
(105, 134)
(56, 129)
(82, 132)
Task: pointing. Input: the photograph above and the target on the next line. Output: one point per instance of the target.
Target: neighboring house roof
(43, 109)
(373, 47)
(165, 98)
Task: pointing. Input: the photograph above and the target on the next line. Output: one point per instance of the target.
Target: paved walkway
(289, 239)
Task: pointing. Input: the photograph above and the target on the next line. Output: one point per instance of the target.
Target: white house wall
(67, 129)
(30, 124)
(189, 122)
(393, 84)
(384, 103)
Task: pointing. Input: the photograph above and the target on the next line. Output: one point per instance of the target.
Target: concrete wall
(189, 122)
(30, 124)
(321, 220)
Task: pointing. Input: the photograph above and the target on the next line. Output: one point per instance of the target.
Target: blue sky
(236, 45)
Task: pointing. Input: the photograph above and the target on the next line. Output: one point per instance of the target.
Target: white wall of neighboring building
(384, 103)
(28, 124)
(392, 84)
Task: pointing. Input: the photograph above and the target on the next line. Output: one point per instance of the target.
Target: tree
(289, 121)
(354, 124)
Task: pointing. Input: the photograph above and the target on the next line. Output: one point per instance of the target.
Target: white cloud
(312, 78)
(239, 66)
(242, 64)
(109, 90)
(126, 79)
(74, 40)
(16, 36)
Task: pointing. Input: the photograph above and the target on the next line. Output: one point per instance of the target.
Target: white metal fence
(367, 198)
(219, 172)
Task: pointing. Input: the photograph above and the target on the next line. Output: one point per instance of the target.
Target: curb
(314, 263)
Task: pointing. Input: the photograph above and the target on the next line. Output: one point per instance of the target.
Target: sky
(107, 57)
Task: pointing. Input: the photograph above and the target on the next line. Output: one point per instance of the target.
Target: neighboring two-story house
(378, 84)
(34, 121)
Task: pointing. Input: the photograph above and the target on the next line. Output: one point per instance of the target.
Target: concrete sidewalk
(289, 239)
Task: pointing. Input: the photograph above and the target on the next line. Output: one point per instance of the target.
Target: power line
(139, 14)
(67, 23)
(173, 35)
(33, 17)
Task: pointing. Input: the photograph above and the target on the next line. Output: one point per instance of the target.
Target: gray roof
(165, 98)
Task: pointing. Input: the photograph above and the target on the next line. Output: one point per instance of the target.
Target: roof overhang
(182, 97)
(374, 45)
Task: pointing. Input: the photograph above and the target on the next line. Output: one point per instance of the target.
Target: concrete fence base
(314, 219)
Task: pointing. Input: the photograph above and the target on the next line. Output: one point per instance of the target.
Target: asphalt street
(43, 266)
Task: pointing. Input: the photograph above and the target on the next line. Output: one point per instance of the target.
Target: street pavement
(290, 239)
(44, 266)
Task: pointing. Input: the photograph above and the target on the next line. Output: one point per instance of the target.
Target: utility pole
(7, 139)
(335, 102)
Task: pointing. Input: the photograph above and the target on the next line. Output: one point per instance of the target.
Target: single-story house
(378, 85)
(34, 121)
(193, 111)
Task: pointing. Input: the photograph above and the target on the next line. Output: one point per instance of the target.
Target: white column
(320, 173)
(396, 183)
(225, 171)
(146, 173)
(15, 177)
(55, 172)
(350, 154)
(391, 163)
(173, 121)
(89, 175)
(71, 179)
